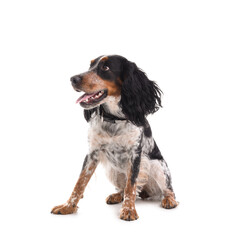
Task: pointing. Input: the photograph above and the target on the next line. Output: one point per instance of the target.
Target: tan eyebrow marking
(101, 59)
(104, 58)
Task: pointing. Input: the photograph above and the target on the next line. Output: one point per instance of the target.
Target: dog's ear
(139, 95)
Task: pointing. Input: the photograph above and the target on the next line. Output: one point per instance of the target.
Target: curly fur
(139, 95)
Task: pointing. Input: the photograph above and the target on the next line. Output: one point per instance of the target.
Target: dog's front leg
(128, 211)
(89, 166)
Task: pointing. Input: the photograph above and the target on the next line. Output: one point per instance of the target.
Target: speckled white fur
(116, 144)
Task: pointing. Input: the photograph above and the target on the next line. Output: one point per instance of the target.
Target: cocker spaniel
(117, 98)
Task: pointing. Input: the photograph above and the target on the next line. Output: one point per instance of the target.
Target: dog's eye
(105, 68)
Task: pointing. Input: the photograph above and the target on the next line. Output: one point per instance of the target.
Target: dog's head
(115, 76)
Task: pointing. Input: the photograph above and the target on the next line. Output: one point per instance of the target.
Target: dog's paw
(169, 202)
(128, 214)
(64, 209)
(114, 198)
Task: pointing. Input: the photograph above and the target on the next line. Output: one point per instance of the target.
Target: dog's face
(103, 79)
(115, 76)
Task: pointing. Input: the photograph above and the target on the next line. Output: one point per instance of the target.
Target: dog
(117, 98)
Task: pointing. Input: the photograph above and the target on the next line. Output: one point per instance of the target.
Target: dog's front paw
(64, 209)
(169, 202)
(128, 214)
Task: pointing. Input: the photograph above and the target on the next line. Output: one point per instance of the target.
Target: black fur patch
(92, 157)
(168, 180)
(168, 183)
(136, 163)
(85, 162)
(101, 111)
(88, 113)
(147, 131)
(139, 95)
(143, 194)
(155, 153)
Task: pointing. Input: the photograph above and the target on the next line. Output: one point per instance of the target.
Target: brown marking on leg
(71, 205)
(128, 211)
(169, 201)
(115, 198)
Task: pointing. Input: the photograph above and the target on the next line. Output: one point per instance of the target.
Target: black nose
(75, 79)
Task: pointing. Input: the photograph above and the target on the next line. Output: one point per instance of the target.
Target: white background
(193, 49)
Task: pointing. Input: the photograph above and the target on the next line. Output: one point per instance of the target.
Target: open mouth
(92, 98)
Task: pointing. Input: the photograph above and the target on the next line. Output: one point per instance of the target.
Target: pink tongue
(84, 97)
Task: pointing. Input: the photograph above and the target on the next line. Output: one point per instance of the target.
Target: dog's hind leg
(160, 184)
(168, 199)
(89, 166)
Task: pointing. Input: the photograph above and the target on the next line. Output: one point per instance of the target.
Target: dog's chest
(115, 141)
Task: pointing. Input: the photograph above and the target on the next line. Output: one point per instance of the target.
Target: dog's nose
(75, 79)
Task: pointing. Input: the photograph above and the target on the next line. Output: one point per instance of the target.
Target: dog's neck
(112, 107)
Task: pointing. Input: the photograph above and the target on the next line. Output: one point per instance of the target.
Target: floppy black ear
(139, 95)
